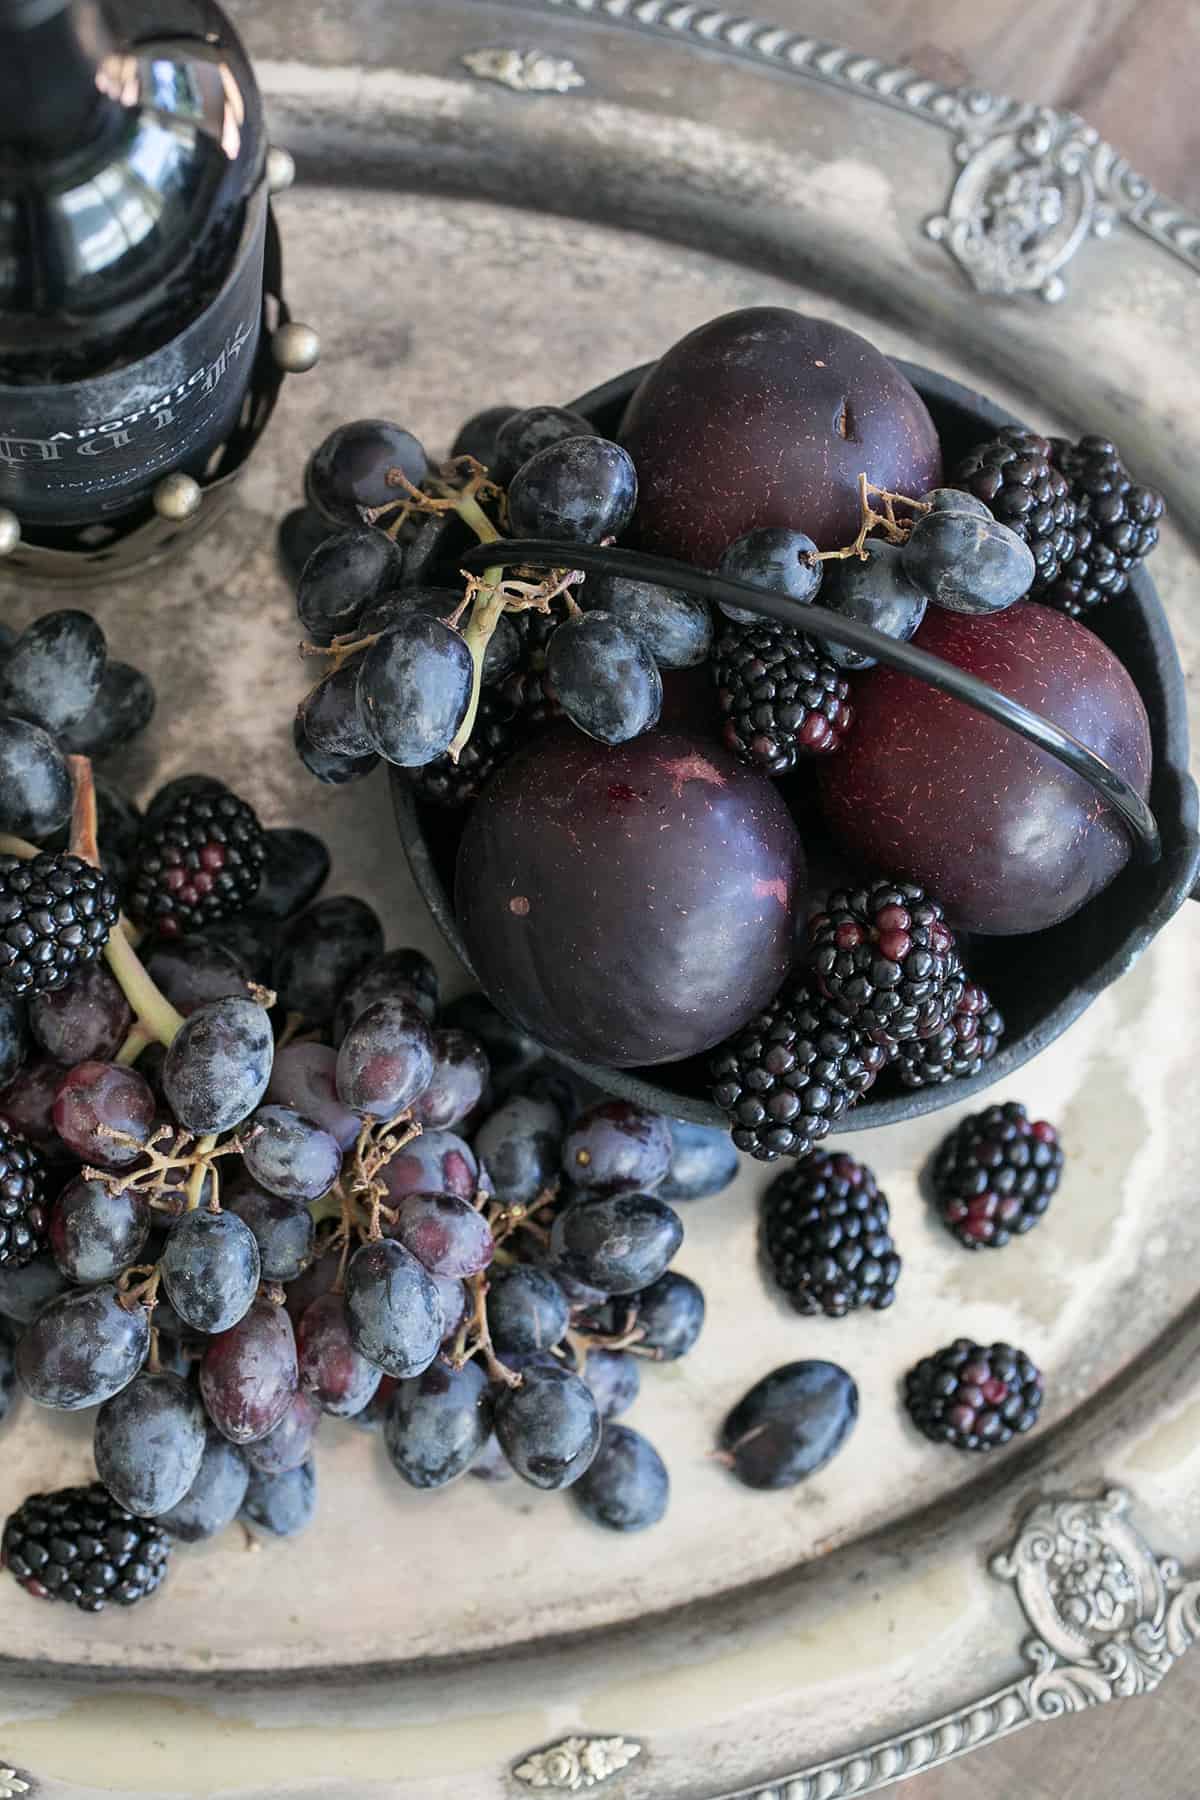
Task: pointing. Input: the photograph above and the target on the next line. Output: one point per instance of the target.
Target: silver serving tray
(517, 201)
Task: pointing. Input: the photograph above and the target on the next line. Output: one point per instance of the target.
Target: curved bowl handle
(819, 622)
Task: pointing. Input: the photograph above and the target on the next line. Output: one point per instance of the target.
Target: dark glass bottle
(133, 211)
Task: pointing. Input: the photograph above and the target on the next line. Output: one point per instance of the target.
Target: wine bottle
(133, 212)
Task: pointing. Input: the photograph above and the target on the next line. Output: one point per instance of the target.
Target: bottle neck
(51, 52)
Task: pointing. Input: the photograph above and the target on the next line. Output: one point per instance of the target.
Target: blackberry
(995, 1175)
(1117, 526)
(56, 913)
(1014, 476)
(509, 713)
(779, 697)
(789, 1075)
(825, 1231)
(79, 1545)
(973, 1396)
(969, 1038)
(22, 1199)
(885, 956)
(200, 862)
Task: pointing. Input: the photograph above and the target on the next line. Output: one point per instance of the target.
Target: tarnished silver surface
(459, 242)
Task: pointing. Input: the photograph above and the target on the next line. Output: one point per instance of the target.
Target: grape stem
(138, 1040)
(15, 846)
(896, 531)
(154, 1011)
(202, 1151)
(474, 1338)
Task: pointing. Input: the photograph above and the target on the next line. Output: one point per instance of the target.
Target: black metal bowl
(1042, 982)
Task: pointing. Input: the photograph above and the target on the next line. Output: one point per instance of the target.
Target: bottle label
(80, 451)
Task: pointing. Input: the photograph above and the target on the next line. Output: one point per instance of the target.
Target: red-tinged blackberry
(995, 1175)
(79, 1545)
(56, 913)
(1014, 475)
(825, 1231)
(1117, 526)
(200, 863)
(885, 956)
(970, 1038)
(972, 1396)
(787, 1078)
(22, 1199)
(779, 697)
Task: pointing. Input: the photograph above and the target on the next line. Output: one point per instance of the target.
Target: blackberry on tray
(56, 913)
(200, 862)
(79, 1545)
(974, 1397)
(996, 1174)
(827, 1238)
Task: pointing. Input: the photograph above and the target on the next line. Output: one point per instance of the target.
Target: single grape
(215, 1497)
(210, 1269)
(14, 1030)
(580, 490)
(342, 576)
(521, 1143)
(26, 1290)
(325, 765)
(526, 1311)
(193, 971)
(619, 1243)
(123, 707)
(396, 975)
(289, 1443)
(876, 591)
(349, 469)
(966, 563)
(790, 1424)
(250, 940)
(458, 1084)
(385, 1060)
(321, 952)
(627, 1486)
(248, 1374)
(414, 685)
(675, 627)
(218, 1065)
(670, 1316)
(549, 1427)
(437, 1424)
(453, 1297)
(299, 533)
(149, 1443)
(35, 788)
(86, 1021)
(511, 1052)
(437, 1162)
(289, 1155)
(491, 1464)
(393, 1309)
(617, 1147)
(615, 1379)
(95, 1234)
(304, 1077)
(775, 559)
(338, 1379)
(281, 1505)
(283, 1229)
(504, 647)
(604, 678)
(97, 1099)
(82, 1348)
(704, 1161)
(445, 1234)
(296, 869)
(27, 1103)
(8, 1367)
(328, 715)
(477, 437)
(52, 674)
(533, 429)
(955, 500)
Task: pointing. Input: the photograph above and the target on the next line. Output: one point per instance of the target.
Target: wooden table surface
(1128, 67)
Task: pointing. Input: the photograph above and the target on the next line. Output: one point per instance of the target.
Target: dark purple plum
(149, 1443)
(526, 1310)
(303, 1077)
(704, 1161)
(86, 1021)
(210, 1269)
(52, 675)
(321, 952)
(437, 1424)
(767, 417)
(549, 1427)
(248, 1374)
(288, 1444)
(790, 1424)
(289, 1155)
(521, 1143)
(215, 1497)
(703, 868)
(283, 1229)
(414, 685)
(445, 1234)
(349, 469)
(94, 1233)
(460, 1079)
(82, 1349)
(617, 1147)
(615, 1378)
(619, 1243)
(627, 1487)
(98, 1098)
(345, 572)
(393, 1309)
(437, 1162)
(385, 1061)
(525, 433)
(296, 869)
(579, 490)
(403, 974)
(218, 1065)
(1006, 837)
(191, 971)
(281, 1505)
(35, 787)
(670, 1316)
(338, 1379)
